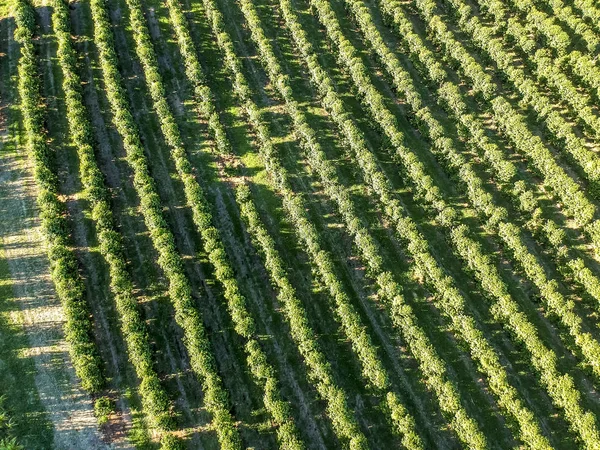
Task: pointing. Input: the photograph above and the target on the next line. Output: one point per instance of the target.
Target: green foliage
(505, 308)
(319, 370)
(7, 440)
(545, 68)
(10, 444)
(154, 398)
(576, 204)
(63, 264)
(294, 204)
(451, 301)
(198, 346)
(264, 373)
(171, 442)
(103, 408)
(589, 9)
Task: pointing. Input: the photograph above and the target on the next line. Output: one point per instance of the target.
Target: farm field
(299, 224)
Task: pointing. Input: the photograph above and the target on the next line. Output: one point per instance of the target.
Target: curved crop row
(154, 398)
(186, 314)
(483, 36)
(64, 269)
(344, 423)
(496, 217)
(574, 201)
(544, 65)
(451, 301)
(450, 97)
(244, 324)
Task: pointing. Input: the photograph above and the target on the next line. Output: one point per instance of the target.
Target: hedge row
(570, 17)
(544, 65)
(263, 372)
(64, 269)
(344, 424)
(484, 37)
(542, 25)
(186, 314)
(451, 301)
(295, 206)
(514, 126)
(549, 26)
(506, 310)
(496, 220)
(573, 200)
(450, 97)
(584, 67)
(320, 372)
(431, 365)
(155, 401)
(590, 10)
(496, 217)
(365, 243)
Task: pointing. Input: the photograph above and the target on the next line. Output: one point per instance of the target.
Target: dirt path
(69, 408)
(99, 297)
(39, 311)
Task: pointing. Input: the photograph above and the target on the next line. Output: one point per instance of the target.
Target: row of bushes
(296, 208)
(496, 219)
(344, 423)
(503, 169)
(484, 37)
(567, 14)
(544, 65)
(327, 173)
(543, 25)
(263, 372)
(584, 67)
(513, 124)
(450, 97)
(63, 263)
(505, 307)
(481, 199)
(320, 372)
(590, 10)
(186, 314)
(433, 368)
(154, 398)
(549, 25)
(451, 301)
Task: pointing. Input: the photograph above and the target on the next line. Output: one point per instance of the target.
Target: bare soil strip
(69, 409)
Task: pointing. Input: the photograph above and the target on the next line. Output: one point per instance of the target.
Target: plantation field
(299, 224)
